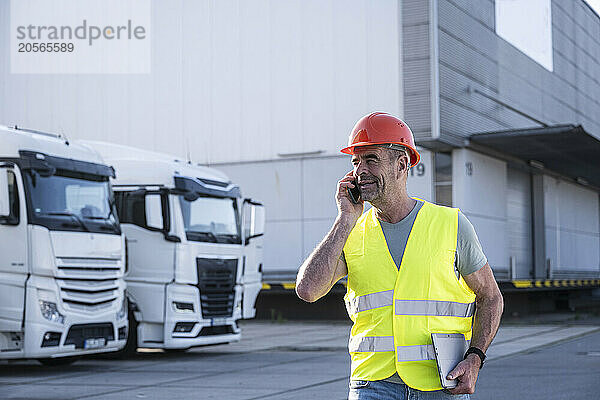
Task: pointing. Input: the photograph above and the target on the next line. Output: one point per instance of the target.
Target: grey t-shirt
(469, 254)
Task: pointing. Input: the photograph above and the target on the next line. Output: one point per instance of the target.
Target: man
(414, 268)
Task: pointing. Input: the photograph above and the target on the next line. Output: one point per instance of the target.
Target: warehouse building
(503, 98)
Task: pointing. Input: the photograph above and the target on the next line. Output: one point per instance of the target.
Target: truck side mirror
(254, 219)
(258, 220)
(4, 195)
(154, 217)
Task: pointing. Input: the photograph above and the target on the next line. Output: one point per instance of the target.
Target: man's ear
(402, 164)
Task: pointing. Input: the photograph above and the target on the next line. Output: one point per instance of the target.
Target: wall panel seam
(478, 112)
(471, 15)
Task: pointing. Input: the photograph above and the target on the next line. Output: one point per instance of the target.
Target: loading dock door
(518, 214)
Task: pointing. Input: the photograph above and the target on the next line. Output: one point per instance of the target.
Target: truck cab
(61, 250)
(194, 249)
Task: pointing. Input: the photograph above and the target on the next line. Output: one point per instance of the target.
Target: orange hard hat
(382, 128)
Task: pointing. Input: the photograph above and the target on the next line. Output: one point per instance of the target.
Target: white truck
(61, 251)
(194, 249)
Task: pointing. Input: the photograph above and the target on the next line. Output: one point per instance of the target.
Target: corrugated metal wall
(417, 66)
(472, 55)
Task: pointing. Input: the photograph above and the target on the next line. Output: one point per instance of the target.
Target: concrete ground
(299, 360)
(564, 371)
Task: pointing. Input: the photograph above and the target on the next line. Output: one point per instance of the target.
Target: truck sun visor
(47, 165)
(192, 188)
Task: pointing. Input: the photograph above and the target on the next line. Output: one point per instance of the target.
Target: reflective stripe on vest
(371, 344)
(434, 308)
(415, 353)
(371, 301)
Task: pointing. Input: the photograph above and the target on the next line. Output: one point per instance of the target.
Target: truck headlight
(50, 312)
(183, 307)
(122, 313)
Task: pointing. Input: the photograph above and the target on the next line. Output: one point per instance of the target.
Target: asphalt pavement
(567, 370)
(299, 360)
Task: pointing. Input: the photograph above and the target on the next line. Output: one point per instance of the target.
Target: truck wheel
(56, 362)
(131, 345)
(130, 348)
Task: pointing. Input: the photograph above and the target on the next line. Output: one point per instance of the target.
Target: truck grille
(89, 268)
(88, 284)
(216, 283)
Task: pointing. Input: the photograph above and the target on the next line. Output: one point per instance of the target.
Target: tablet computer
(449, 349)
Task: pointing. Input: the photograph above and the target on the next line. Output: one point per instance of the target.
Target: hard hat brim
(415, 157)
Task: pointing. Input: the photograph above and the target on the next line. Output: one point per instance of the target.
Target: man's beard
(371, 191)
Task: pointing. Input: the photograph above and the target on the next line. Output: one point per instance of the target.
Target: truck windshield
(211, 219)
(74, 203)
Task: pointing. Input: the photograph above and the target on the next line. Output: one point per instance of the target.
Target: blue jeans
(382, 390)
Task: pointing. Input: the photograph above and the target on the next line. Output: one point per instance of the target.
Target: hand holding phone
(349, 204)
(354, 193)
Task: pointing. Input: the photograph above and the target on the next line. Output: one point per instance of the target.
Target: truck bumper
(94, 335)
(187, 342)
(183, 330)
(79, 333)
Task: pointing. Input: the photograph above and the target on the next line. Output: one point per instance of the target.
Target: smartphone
(354, 193)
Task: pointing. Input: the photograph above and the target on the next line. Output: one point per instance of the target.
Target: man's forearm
(487, 320)
(317, 273)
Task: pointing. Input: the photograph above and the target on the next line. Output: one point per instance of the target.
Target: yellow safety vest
(395, 310)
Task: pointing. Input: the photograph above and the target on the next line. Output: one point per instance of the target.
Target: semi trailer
(62, 292)
(194, 249)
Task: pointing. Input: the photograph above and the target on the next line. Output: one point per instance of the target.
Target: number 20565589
(46, 47)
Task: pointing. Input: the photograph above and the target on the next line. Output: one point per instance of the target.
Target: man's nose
(361, 168)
